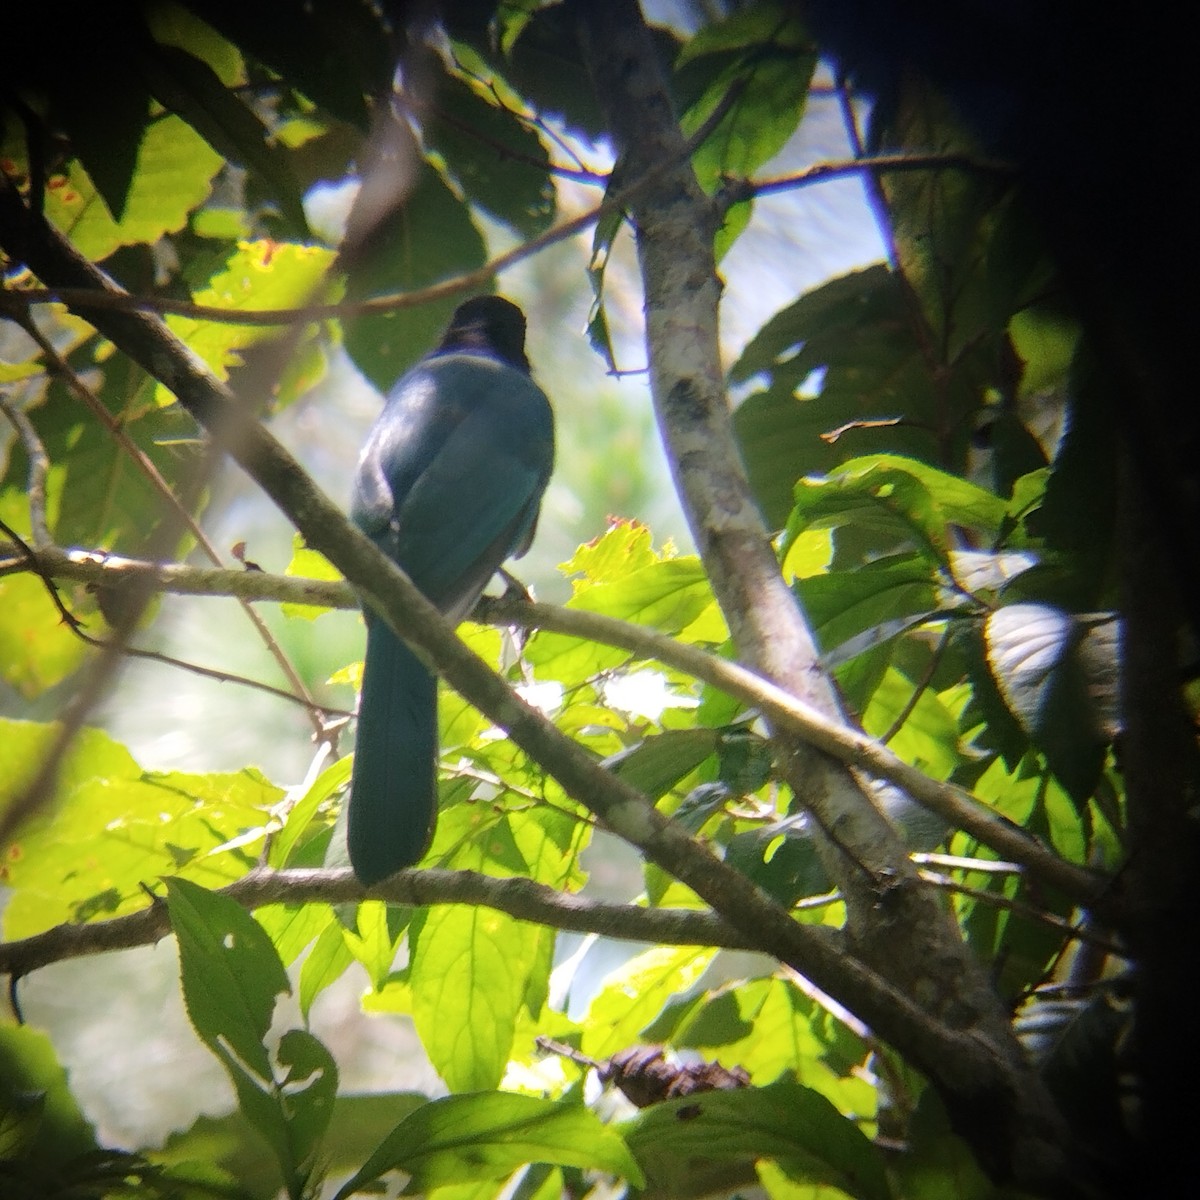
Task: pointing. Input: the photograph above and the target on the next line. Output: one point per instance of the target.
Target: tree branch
(909, 936)
(520, 898)
(850, 746)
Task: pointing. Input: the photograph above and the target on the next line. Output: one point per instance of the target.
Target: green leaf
(624, 547)
(929, 736)
(938, 1164)
(667, 595)
(308, 564)
(470, 972)
(41, 1124)
(493, 153)
(429, 237)
(292, 927)
(325, 963)
(657, 764)
(335, 54)
(175, 169)
(307, 1091)
(966, 279)
(770, 89)
(117, 827)
(765, 55)
(231, 977)
(771, 1029)
(258, 275)
(845, 375)
(784, 1121)
(371, 941)
(174, 25)
(636, 992)
(230, 972)
(904, 498)
(756, 66)
(543, 64)
(488, 1135)
(1078, 514)
(37, 649)
(105, 137)
(101, 498)
(191, 89)
(843, 604)
(298, 820)
(786, 867)
(1058, 676)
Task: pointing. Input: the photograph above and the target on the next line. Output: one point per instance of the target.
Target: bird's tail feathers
(393, 791)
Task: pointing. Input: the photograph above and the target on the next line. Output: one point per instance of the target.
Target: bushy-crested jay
(448, 485)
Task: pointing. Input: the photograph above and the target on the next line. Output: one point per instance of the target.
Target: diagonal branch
(59, 366)
(898, 926)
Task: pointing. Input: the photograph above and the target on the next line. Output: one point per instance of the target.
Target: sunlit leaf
(117, 827)
(784, 1121)
(470, 972)
(488, 1135)
(37, 649)
(623, 548)
(259, 275)
(635, 993)
(928, 738)
(174, 173)
(190, 88)
(901, 496)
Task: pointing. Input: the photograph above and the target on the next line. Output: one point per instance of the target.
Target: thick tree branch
(908, 936)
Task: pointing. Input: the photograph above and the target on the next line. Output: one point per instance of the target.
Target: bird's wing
(470, 509)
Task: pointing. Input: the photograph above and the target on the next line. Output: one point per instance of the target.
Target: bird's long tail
(393, 790)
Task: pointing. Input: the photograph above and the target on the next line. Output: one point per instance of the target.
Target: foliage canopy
(930, 443)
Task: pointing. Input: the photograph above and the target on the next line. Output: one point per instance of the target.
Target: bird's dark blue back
(452, 475)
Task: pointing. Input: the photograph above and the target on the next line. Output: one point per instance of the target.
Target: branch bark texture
(900, 928)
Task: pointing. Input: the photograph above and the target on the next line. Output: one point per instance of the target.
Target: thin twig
(96, 678)
(874, 163)
(918, 691)
(31, 563)
(39, 467)
(875, 196)
(75, 625)
(141, 460)
(1069, 929)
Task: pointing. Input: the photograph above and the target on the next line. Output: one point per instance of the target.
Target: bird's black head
(488, 323)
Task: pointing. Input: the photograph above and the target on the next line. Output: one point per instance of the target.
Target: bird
(449, 485)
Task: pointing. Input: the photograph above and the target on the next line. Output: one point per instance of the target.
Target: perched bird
(449, 485)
